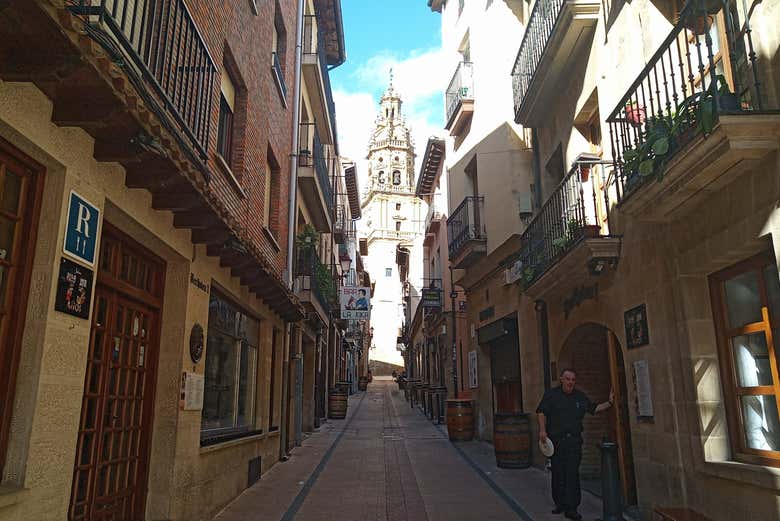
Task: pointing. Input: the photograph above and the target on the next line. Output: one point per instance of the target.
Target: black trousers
(566, 472)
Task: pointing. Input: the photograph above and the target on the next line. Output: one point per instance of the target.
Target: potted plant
(635, 113)
(584, 172)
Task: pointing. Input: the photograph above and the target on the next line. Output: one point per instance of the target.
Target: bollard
(610, 483)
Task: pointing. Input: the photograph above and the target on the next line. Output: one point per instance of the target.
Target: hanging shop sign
(82, 229)
(355, 303)
(637, 333)
(74, 289)
(431, 298)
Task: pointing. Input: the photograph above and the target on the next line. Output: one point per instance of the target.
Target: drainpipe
(292, 214)
(544, 340)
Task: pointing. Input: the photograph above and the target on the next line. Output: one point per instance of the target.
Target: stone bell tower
(393, 217)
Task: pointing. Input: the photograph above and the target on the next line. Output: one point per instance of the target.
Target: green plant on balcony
(307, 239)
(664, 135)
(324, 281)
(569, 237)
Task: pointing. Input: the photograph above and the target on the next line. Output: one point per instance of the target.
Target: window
(381, 177)
(396, 177)
(227, 107)
(231, 371)
(397, 206)
(271, 194)
(278, 52)
(398, 226)
(388, 272)
(746, 311)
(272, 426)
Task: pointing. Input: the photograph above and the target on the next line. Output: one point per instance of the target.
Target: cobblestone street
(386, 461)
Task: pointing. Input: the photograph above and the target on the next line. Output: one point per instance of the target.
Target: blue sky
(404, 35)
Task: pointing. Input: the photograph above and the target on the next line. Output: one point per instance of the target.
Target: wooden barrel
(337, 404)
(512, 440)
(460, 420)
(363, 383)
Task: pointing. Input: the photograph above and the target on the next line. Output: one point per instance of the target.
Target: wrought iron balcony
(315, 277)
(555, 30)
(574, 213)
(312, 157)
(459, 98)
(314, 52)
(167, 49)
(466, 231)
(704, 81)
(342, 224)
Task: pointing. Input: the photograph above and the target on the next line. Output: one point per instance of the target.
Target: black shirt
(565, 412)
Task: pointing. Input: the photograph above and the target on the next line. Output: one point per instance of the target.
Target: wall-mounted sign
(514, 272)
(195, 281)
(74, 289)
(81, 229)
(355, 303)
(643, 391)
(473, 382)
(431, 298)
(637, 333)
(196, 343)
(192, 385)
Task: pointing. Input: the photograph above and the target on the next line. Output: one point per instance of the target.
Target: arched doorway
(593, 351)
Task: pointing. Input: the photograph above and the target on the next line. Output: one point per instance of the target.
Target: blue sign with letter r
(82, 229)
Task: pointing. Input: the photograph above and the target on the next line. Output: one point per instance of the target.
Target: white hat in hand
(547, 447)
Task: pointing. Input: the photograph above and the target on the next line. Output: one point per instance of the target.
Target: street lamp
(346, 263)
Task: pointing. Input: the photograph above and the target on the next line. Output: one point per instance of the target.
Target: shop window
(746, 311)
(272, 423)
(231, 371)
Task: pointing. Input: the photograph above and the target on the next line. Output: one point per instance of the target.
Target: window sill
(12, 495)
(272, 239)
(229, 173)
(215, 443)
(747, 473)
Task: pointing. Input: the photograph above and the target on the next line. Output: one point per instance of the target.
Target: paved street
(386, 461)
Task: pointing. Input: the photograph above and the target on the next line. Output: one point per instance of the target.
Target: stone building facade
(650, 269)
(145, 306)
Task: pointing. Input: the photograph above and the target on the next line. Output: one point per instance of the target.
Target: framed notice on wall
(74, 289)
(643, 392)
(473, 384)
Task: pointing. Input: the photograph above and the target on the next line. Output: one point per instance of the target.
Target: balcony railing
(315, 156)
(565, 219)
(467, 223)
(705, 67)
(461, 87)
(276, 66)
(541, 24)
(166, 47)
(321, 281)
(313, 45)
(434, 214)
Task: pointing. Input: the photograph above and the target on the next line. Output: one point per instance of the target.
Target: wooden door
(21, 188)
(112, 453)
(621, 427)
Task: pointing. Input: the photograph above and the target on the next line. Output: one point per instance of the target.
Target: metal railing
(541, 24)
(466, 223)
(689, 80)
(341, 224)
(434, 213)
(321, 280)
(276, 66)
(313, 45)
(312, 153)
(569, 215)
(163, 42)
(461, 87)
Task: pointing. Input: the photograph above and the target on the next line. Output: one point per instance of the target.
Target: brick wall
(236, 36)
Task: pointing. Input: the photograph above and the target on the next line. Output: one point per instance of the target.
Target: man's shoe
(558, 510)
(573, 515)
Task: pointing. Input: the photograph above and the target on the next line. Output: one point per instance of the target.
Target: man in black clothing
(560, 416)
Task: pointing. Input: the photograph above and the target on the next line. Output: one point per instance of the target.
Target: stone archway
(593, 351)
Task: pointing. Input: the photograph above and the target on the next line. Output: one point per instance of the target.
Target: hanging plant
(307, 238)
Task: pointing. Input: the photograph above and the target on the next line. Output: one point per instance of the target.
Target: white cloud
(420, 78)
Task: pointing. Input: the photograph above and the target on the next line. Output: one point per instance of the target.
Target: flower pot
(584, 173)
(699, 24)
(635, 114)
